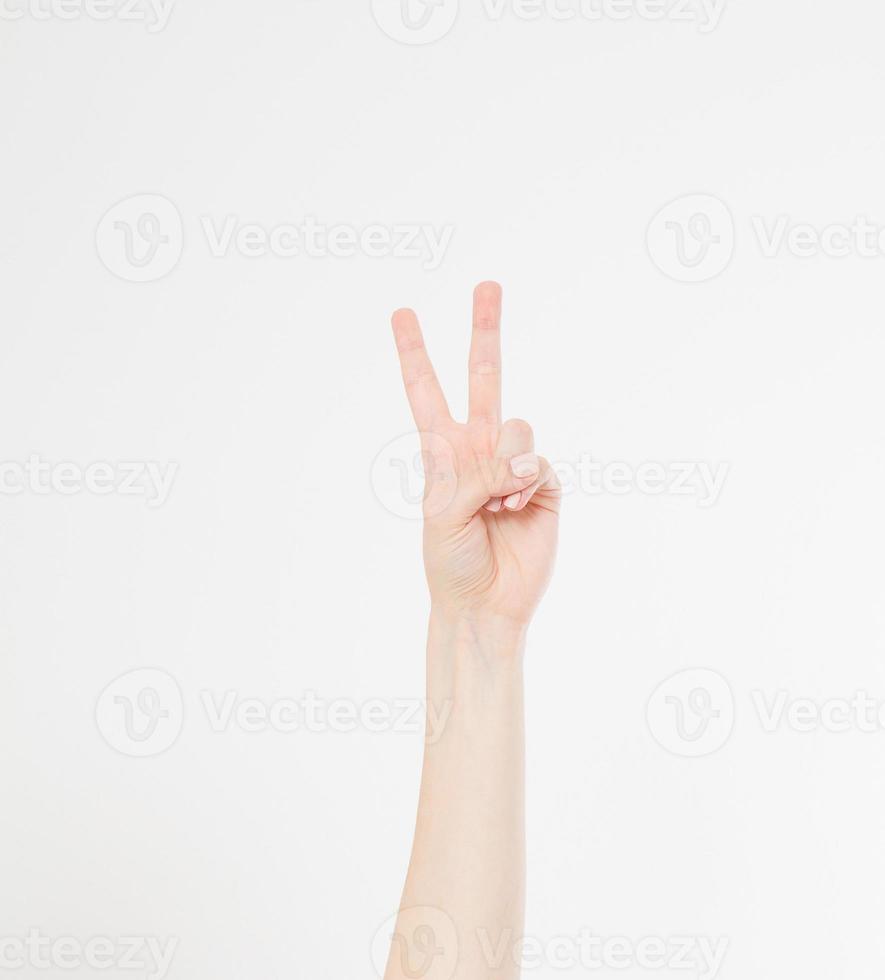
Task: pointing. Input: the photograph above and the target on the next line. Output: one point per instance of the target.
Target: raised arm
(490, 524)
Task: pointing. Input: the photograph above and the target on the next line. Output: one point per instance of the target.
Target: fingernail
(494, 505)
(525, 465)
(512, 502)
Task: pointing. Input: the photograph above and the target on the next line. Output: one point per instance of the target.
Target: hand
(491, 506)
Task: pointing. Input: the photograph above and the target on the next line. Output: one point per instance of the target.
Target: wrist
(489, 635)
(474, 673)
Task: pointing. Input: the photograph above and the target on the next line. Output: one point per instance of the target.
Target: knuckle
(519, 427)
(484, 368)
(485, 322)
(418, 377)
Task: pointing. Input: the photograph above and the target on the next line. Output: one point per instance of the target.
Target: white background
(273, 568)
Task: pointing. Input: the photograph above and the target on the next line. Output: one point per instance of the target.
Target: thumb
(492, 477)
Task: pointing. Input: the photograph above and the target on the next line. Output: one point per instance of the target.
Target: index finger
(426, 398)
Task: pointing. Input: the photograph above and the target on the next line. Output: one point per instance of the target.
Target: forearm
(467, 871)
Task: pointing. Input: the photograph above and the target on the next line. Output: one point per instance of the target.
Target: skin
(491, 514)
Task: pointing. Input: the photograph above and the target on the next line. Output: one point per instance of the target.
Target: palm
(486, 549)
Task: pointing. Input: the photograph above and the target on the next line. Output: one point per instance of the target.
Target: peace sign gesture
(491, 506)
